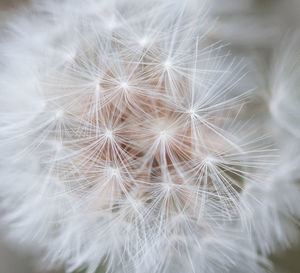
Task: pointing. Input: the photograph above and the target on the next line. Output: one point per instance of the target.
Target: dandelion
(124, 140)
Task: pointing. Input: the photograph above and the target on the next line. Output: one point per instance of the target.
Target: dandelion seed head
(134, 176)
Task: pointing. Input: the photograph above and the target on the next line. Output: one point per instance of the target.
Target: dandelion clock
(126, 140)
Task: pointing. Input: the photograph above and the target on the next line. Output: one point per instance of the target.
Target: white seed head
(148, 161)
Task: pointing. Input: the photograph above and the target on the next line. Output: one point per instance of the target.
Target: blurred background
(238, 20)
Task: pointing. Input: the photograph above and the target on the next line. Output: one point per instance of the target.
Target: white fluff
(124, 141)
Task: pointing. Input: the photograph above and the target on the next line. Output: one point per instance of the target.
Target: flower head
(128, 143)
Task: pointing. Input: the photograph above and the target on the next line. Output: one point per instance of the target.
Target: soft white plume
(125, 139)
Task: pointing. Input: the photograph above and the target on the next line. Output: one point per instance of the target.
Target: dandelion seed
(59, 114)
(108, 134)
(97, 88)
(124, 85)
(168, 64)
(111, 24)
(143, 42)
(58, 146)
